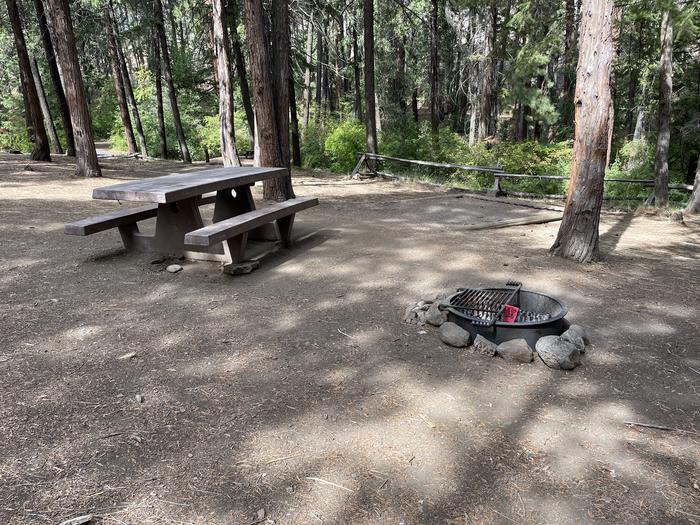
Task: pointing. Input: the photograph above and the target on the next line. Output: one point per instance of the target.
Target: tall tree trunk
(55, 77)
(357, 82)
(434, 71)
(578, 234)
(129, 90)
(307, 73)
(664, 131)
(370, 117)
(168, 73)
(414, 104)
(118, 81)
(162, 135)
(45, 111)
(294, 120)
(694, 201)
(270, 97)
(241, 69)
(319, 75)
(67, 56)
(41, 141)
(486, 127)
(227, 137)
(568, 59)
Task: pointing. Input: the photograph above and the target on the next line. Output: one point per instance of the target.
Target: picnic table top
(179, 186)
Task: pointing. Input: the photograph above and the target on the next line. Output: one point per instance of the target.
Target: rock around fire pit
(510, 322)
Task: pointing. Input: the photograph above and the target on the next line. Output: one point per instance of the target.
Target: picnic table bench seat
(281, 213)
(121, 218)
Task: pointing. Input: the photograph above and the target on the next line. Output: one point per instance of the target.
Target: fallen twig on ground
(660, 427)
(326, 482)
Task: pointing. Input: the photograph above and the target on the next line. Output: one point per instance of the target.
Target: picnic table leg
(173, 221)
(283, 227)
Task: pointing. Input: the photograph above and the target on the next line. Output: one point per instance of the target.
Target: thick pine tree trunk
(307, 73)
(41, 141)
(578, 234)
(168, 73)
(129, 90)
(67, 56)
(663, 139)
(319, 75)
(55, 77)
(227, 137)
(486, 127)
(45, 111)
(370, 115)
(241, 69)
(269, 95)
(118, 81)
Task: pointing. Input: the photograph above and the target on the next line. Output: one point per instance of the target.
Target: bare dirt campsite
(296, 394)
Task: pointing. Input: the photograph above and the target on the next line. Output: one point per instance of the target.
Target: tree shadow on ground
(303, 369)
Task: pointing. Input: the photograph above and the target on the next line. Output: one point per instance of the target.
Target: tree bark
(67, 56)
(664, 130)
(270, 94)
(41, 141)
(241, 69)
(319, 75)
(118, 81)
(486, 122)
(162, 136)
(434, 71)
(357, 81)
(55, 77)
(694, 202)
(307, 73)
(227, 137)
(168, 73)
(45, 111)
(129, 90)
(370, 117)
(294, 120)
(578, 234)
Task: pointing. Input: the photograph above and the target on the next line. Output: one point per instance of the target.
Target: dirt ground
(296, 395)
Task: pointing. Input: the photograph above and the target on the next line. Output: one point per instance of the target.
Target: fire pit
(489, 312)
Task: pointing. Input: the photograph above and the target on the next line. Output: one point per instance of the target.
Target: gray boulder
(484, 346)
(435, 316)
(574, 337)
(454, 335)
(581, 332)
(515, 350)
(558, 353)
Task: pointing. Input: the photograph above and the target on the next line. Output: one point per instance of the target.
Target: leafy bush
(313, 154)
(13, 129)
(343, 143)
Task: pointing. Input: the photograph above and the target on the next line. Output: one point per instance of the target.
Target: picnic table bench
(180, 228)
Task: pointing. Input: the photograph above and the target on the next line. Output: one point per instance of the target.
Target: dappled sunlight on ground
(297, 389)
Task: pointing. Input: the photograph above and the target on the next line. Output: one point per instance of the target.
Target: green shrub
(313, 153)
(343, 143)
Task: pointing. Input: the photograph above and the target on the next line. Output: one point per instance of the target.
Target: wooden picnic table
(180, 228)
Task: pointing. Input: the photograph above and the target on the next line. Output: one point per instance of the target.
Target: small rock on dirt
(515, 350)
(435, 316)
(484, 346)
(240, 268)
(261, 514)
(139, 398)
(173, 268)
(557, 353)
(454, 335)
(130, 355)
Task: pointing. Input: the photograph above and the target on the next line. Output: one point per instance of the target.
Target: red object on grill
(510, 313)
